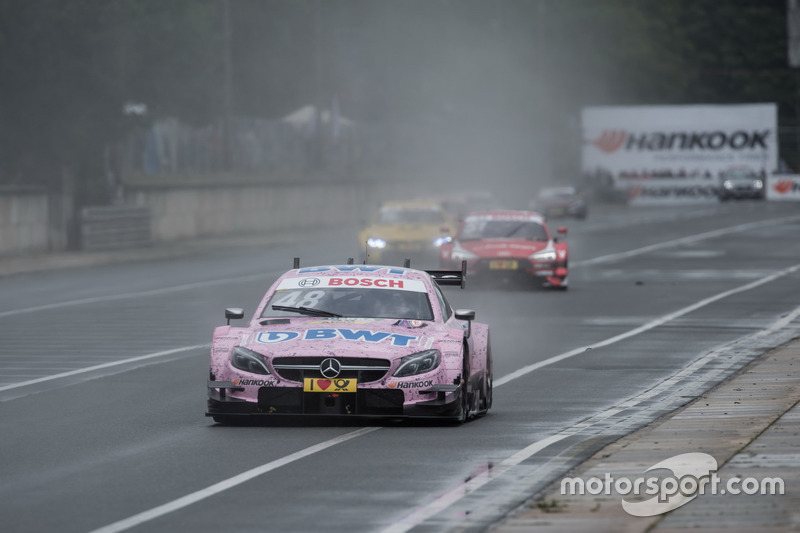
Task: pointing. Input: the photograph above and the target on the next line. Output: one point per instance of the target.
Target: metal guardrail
(115, 227)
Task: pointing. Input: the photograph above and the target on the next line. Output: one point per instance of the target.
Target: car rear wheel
(486, 392)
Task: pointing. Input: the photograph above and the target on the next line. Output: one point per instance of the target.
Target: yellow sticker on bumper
(503, 264)
(329, 385)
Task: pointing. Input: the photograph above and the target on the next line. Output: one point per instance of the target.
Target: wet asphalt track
(96, 449)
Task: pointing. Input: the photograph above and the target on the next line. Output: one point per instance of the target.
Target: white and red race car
(509, 247)
(352, 340)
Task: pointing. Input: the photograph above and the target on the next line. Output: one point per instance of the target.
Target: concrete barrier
(37, 222)
(115, 227)
(191, 211)
(24, 222)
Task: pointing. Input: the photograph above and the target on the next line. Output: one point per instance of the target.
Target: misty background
(94, 94)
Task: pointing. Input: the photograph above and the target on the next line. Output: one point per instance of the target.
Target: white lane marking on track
(684, 240)
(126, 295)
(596, 260)
(646, 327)
(504, 379)
(446, 500)
(656, 218)
(103, 366)
(226, 484)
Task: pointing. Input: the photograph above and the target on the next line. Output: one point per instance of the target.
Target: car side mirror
(469, 316)
(562, 230)
(233, 313)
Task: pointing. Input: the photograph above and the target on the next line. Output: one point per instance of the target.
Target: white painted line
(684, 240)
(597, 260)
(505, 379)
(449, 498)
(102, 366)
(649, 218)
(645, 327)
(499, 382)
(138, 294)
(226, 484)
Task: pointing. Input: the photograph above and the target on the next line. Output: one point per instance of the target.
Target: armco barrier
(115, 227)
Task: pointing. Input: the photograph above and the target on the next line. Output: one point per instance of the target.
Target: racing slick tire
(486, 393)
(463, 402)
(563, 287)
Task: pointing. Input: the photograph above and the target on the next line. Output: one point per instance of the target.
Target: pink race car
(509, 247)
(353, 340)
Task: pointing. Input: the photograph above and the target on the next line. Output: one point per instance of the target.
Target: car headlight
(728, 184)
(248, 360)
(376, 243)
(758, 184)
(460, 254)
(548, 255)
(417, 363)
(438, 241)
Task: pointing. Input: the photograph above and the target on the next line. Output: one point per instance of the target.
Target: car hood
(343, 337)
(519, 248)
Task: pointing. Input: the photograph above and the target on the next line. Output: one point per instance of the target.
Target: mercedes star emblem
(330, 368)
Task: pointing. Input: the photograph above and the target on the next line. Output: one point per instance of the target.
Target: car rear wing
(450, 277)
(442, 277)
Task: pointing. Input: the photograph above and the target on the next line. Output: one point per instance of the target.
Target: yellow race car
(402, 230)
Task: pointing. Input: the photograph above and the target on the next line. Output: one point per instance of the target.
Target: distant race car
(509, 247)
(352, 340)
(560, 202)
(413, 229)
(741, 182)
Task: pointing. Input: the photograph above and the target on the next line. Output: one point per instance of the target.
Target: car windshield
(502, 229)
(556, 193)
(351, 302)
(406, 215)
(740, 174)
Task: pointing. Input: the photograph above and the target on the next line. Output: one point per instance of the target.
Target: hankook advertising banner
(684, 148)
(783, 187)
